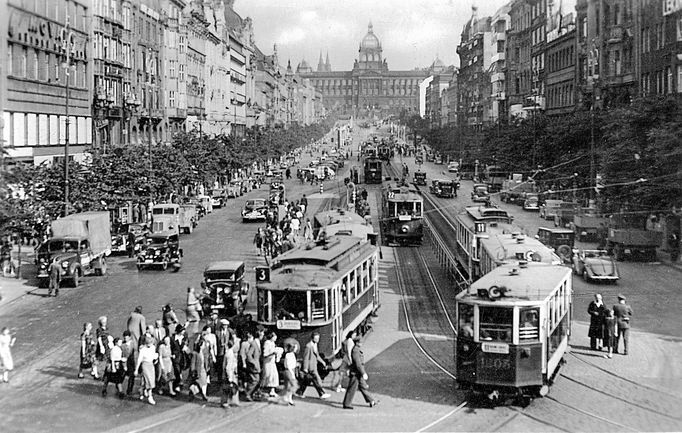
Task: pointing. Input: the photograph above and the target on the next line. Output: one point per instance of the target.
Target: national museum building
(370, 86)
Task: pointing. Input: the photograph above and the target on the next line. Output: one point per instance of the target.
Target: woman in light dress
(88, 350)
(145, 362)
(270, 377)
(290, 382)
(166, 376)
(6, 362)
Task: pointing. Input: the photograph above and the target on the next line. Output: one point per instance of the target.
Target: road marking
(457, 409)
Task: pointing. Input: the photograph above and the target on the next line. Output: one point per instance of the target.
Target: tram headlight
(404, 229)
(465, 347)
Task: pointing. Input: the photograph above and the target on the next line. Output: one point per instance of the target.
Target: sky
(412, 32)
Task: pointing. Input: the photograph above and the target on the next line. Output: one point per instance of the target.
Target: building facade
(560, 70)
(46, 45)
(499, 25)
(474, 72)
(661, 48)
(370, 88)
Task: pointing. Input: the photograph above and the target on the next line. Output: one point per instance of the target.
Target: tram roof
(505, 246)
(484, 212)
(225, 265)
(402, 192)
(356, 229)
(337, 216)
(532, 283)
(317, 264)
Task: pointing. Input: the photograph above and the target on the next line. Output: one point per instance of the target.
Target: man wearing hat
(623, 312)
(223, 337)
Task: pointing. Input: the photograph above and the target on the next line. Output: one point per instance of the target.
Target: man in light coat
(311, 356)
(137, 325)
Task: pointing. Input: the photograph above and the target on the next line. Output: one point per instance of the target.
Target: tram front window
(317, 300)
(290, 305)
(496, 324)
(405, 208)
(466, 321)
(529, 324)
(418, 207)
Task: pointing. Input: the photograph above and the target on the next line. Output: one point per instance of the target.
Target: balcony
(614, 35)
(237, 77)
(497, 76)
(237, 57)
(497, 57)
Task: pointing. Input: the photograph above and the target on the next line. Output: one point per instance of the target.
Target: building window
(10, 59)
(22, 62)
(679, 29)
(679, 78)
(669, 80)
(171, 99)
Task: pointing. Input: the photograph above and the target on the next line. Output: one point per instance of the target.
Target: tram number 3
(262, 274)
(496, 363)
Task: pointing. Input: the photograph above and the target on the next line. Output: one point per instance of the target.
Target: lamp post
(131, 104)
(68, 46)
(102, 103)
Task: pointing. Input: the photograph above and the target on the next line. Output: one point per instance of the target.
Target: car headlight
(65, 265)
(157, 252)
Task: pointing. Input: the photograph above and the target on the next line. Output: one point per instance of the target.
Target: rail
(446, 258)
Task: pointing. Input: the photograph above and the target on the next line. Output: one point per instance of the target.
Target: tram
(513, 326)
(384, 151)
(329, 286)
(508, 248)
(402, 211)
(474, 224)
(339, 221)
(372, 169)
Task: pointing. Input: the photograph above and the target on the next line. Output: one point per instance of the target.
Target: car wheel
(586, 276)
(76, 277)
(139, 267)
(164, 264)
(189, 229)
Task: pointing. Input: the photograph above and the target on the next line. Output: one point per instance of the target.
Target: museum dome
(370, 40)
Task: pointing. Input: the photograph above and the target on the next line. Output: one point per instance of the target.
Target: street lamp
(68, 47)
(130, 106)
(102, 103)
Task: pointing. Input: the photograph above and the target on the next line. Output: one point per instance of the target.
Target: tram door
(337, 323)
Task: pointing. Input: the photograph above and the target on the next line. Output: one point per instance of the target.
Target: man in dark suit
(358, 378)
(623, 312)
(129, 352)
(137, 325)
(311, 356)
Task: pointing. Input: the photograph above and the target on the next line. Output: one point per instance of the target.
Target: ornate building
(369, 86)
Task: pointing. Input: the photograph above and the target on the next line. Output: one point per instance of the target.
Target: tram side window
(290, 305)
(353, 292)
(529, 324)
(558, 335)
(496, 323)
(465, 316)
(358, 283)
(263, 306)
(372, 270)
(365, 276)
(317, 307)
(345, 291)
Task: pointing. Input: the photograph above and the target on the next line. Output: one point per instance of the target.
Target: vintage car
(438, 159)
(453, 167)
(549, 208)
(480, 193)
(139, 231)
(224, 287)
(595, 265)
(445, 188)
(233, 190)
(119, 240)
(559, 239)
(531, 203)
(162, 249)
(218, 197)
(255, 210)
(419, 178)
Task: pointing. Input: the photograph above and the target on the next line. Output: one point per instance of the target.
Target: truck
(79, 244)
(586, 222)
(515, 190)
(565, 214)
(188, 217)
(172, 217)
(628, 237)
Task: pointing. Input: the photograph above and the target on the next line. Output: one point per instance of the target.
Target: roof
(370, 40)
(503, 247)
(164, 234)
(336, 216)
(227, 265)
(556, 229)
(532, 283)
(355, 229)
(403, 193)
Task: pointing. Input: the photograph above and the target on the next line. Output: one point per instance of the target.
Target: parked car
(218, 198)
(162, 249)
(595, 265)
(453, 167)
(559, 239)
(255, 210)
(549, 208)
(531, 203)
(480, 193)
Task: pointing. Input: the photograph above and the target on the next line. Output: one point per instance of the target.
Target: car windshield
(219, 275)
(158, 242)
(481, 189)
(255, 203)
(59, 245)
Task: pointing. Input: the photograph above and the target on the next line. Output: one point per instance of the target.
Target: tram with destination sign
(509, 248)
(513, 325)
(402, 212)
(472, 225)
(329, 286)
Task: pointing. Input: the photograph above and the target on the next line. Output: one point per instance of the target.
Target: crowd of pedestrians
(283, 232)
(609, 326)
(240, 358)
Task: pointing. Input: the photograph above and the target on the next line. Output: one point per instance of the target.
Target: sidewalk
(12, 288)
